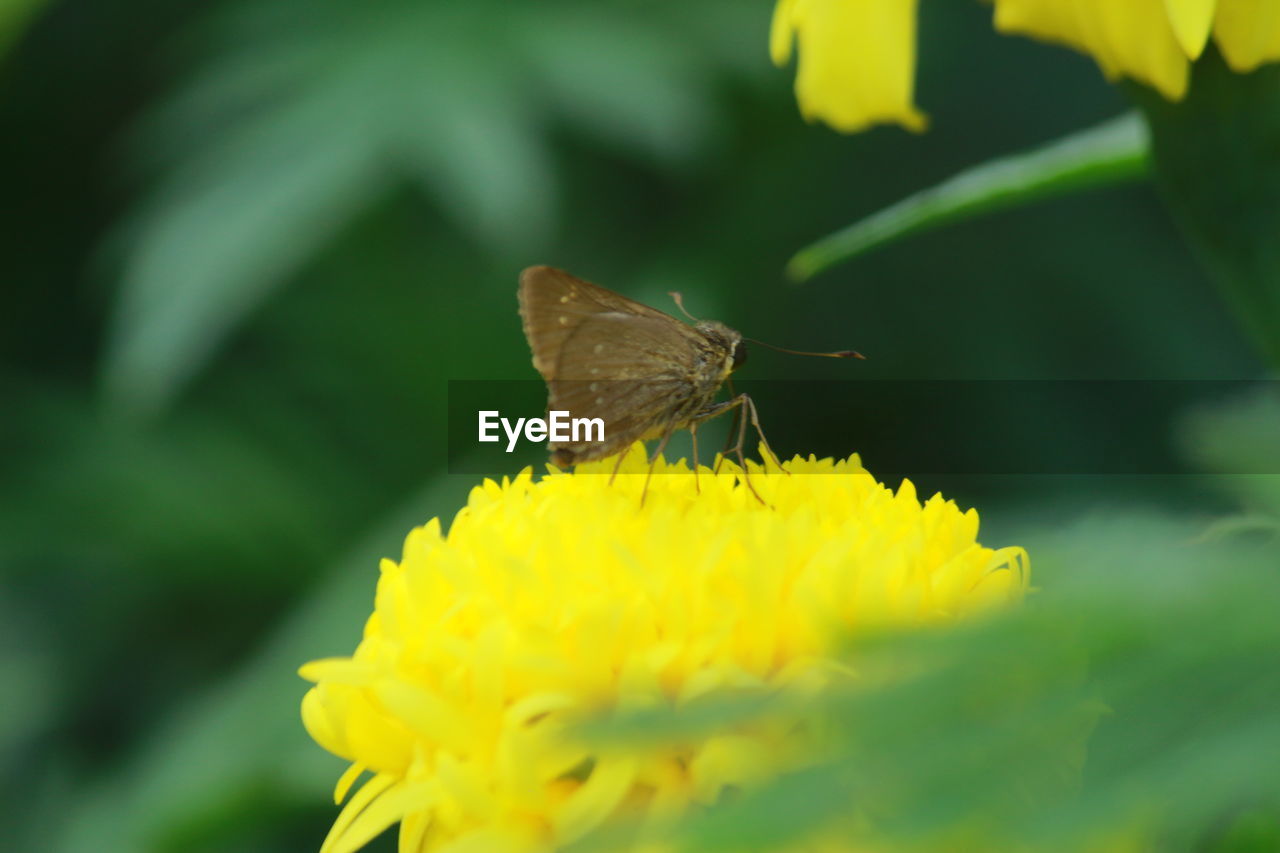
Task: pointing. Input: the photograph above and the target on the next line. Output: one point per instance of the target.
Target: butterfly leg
(653, 459)
(737, 403)
(742, 401)
(750, 405)
(618, 464)
(728, 439)
(693, 434)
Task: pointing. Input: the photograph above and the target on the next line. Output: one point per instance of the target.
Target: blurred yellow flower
(857, 57)
(1152, 41)
(857, 60)
(552, 600)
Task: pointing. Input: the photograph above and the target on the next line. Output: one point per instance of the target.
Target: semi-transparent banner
(1033, 427)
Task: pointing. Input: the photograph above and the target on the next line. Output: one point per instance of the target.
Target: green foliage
(1217, 158)
(1112, 152)
(1132, 700)
(307, 114)
(185, 787)
(15, 15)
(1240, 440)
(1214, 155)
(327, 212)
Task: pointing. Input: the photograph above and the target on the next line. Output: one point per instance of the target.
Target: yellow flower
(857, 57)
(857, 60)
(1152, 41)
(553, 600)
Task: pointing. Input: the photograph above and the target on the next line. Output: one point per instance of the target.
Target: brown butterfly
(643, 372)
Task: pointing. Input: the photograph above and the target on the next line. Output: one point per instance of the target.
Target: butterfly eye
(739, 355)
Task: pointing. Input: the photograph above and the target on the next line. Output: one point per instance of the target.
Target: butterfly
(644, 373)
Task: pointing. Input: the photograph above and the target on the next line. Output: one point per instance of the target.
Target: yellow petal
(413, 832)
(1191, 21)
(384, 809)
(857, 60)
(345, 781)
(368, 793)
(323, 723)
(593, 802)
(782, 31)
(1248, 32)
(487, 841)
(1133, 38)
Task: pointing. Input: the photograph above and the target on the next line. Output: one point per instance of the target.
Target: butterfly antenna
(844, 353)
(679, 300)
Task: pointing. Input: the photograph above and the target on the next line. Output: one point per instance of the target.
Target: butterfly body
(643, 372)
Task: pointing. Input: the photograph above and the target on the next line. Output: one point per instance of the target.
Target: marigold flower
(857, 60)
(857, 57)
(552, 600)
(1152, 41)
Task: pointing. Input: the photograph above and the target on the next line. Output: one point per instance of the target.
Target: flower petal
(335, 841)
(782, 31)
(1133, 38)
(566, 597)
(1191, 21)
(1248, 32)
(384, 809)
(857, 60)
(345, 781)
(598, 796)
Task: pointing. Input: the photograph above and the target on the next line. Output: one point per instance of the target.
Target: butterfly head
(726, 340)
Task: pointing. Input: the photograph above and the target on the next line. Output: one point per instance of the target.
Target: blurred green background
(245, 245)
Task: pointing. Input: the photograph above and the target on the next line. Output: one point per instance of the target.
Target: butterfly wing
(640, 371)
(554, 304)
(633, 372)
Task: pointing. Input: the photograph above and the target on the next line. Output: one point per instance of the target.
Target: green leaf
(1216, 156)
(309, 115)
(15, 16)
(1109, 153)
(245, 732)
(1240, 439)
(626, 86)
(1127, 700)
(216, 247)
